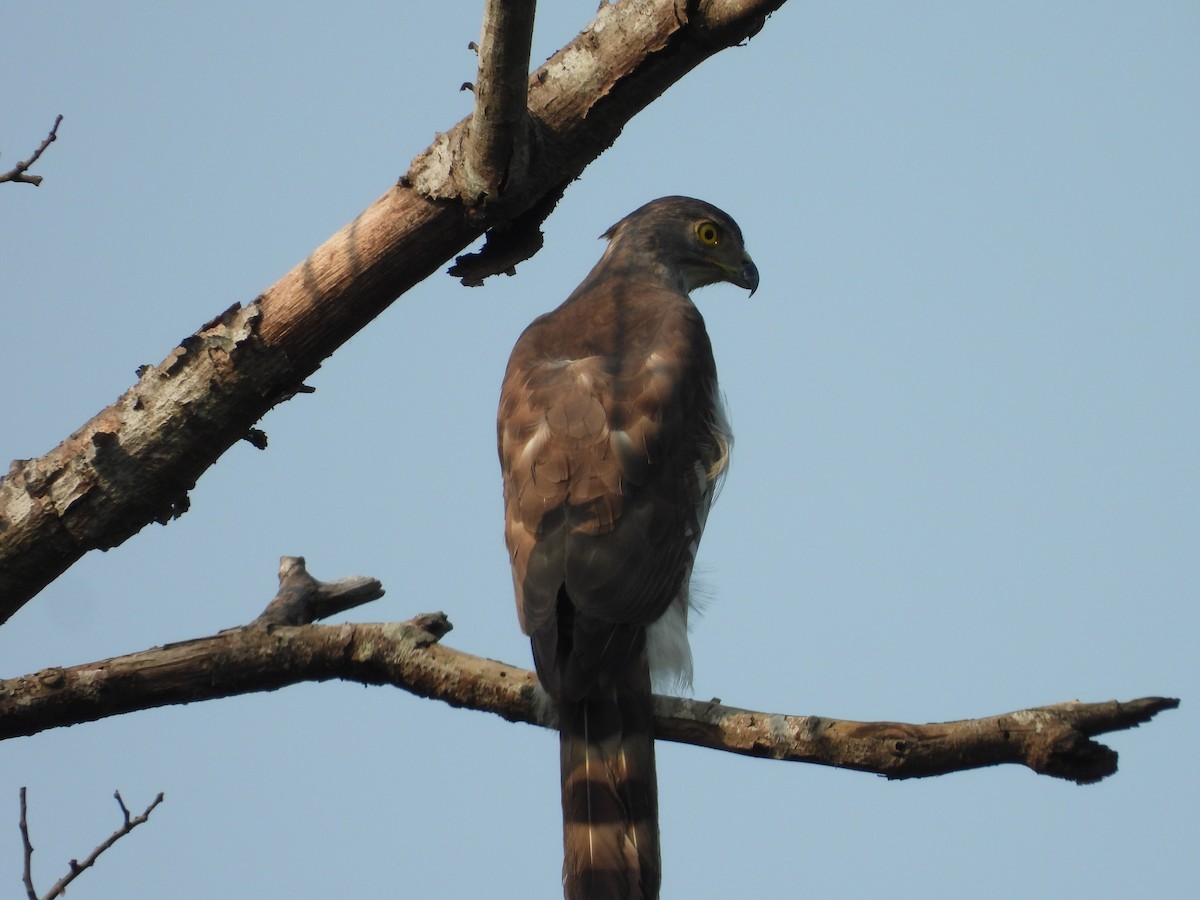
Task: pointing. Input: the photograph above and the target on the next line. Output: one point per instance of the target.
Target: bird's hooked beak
(747, 275)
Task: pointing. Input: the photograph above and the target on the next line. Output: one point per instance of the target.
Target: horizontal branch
(1050, 740)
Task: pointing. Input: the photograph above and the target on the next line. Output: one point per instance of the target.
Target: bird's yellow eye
(708, 233)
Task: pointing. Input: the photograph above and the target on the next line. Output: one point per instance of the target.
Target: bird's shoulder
(621, 325)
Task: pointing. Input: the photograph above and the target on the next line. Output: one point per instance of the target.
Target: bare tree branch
(1051, 740)
(134, 462)
(497, 145)
(76, 867)
(303, 599)
(17, 172)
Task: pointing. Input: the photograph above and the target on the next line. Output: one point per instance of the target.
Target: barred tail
(610, 792)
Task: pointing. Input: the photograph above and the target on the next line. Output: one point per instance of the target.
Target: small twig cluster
(75, 866)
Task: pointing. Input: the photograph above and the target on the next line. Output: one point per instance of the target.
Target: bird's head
(692, 241)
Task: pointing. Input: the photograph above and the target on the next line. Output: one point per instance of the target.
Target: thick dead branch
(134, 462)
(1050, 740)
(497, 145)
(76, 867)
(18, 172)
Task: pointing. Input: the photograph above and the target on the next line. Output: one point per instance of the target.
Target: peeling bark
(135, 461)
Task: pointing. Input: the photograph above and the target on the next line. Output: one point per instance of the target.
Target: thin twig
(17, 172)
(129, 823)
(28, 876)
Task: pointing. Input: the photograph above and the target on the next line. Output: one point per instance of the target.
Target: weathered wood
(1050, 740)
(497, 146)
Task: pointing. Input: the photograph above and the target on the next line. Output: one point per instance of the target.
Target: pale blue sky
(965, 479)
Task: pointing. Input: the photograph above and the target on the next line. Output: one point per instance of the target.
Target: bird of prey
(612, 443)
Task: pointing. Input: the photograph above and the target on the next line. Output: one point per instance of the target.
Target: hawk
(612, 443)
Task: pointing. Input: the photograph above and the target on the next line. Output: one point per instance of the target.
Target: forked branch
(75, 866)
